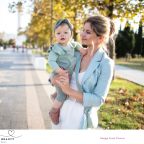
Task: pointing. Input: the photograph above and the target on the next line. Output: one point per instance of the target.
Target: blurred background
(29, 24)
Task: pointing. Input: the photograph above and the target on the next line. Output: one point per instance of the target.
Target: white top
(73, 80)
(72, 112)
(73, 83)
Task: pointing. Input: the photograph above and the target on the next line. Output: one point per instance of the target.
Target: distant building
(6, 37)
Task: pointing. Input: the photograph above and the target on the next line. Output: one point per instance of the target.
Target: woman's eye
(88, 32)
(85, 31)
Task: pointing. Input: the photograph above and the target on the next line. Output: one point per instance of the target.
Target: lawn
(137, 63)
(48, 68)
(124, 106)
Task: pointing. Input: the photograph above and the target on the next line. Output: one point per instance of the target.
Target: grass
(40, 52)
(124, 106)
(137, 63)
(48, 68)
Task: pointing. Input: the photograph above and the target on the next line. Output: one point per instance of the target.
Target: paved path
(24, 93)
(135, 76)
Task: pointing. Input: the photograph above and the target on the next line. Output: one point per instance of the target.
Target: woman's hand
(63, 82)
(56, 78)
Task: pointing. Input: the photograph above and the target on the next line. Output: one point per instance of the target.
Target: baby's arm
(60, 71)
(79, 48)
(83, 51)
(52, 61)
(52, 58)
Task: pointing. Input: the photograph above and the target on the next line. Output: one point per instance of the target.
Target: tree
(11, 42)
(125, 42)
(1, 42)
(118, 8)
(139, 41)
(46, 12)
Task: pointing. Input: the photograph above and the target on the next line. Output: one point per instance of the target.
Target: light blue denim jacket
(95, 85)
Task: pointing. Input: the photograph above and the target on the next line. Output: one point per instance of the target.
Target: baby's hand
(83, 51)
(61, 71)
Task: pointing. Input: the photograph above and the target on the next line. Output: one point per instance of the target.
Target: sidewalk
(44, 100)
(24, 93)
(132, 75)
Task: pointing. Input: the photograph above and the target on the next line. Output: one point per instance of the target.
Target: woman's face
(63, 34)
(88, 36)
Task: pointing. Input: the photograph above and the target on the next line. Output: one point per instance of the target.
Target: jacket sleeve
(52, 58)
(100, 91)
(76, 45)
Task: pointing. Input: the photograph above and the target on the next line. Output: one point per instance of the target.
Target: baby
(61, 58)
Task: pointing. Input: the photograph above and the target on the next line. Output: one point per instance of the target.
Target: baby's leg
(54, 115)
(55, 110)
(53, 96)
(57, 104)
(60, 95)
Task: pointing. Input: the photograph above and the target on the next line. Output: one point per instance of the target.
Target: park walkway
(24, 93)
(132, 75)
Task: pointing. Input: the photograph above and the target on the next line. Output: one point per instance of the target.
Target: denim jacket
(95, 85)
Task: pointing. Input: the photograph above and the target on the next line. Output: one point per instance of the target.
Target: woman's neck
(91, 51)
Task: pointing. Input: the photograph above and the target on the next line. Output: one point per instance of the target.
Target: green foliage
(1, 42)
(139, 41)
(12, 42)
(48, 68)
(46, 12)
(125, 42)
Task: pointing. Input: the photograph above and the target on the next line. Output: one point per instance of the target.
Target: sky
(9, 21)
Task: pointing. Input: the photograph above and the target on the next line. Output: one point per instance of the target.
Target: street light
(19, 9)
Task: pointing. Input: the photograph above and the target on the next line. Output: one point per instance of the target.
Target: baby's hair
(62, 22)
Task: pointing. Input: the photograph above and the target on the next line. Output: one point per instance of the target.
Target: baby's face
(63, 34)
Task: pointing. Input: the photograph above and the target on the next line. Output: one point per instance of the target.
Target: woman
(91, 80)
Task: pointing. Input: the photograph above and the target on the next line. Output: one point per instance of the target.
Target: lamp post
(19, 9)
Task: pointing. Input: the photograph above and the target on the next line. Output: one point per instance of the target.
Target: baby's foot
(54, 115)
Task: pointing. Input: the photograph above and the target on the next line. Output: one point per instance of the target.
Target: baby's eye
(66, 32)
(58, 33)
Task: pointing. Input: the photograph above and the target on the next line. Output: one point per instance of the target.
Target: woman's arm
(63, 82)
(97, 97)
(73, 94)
